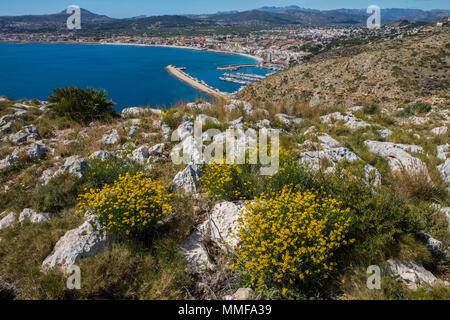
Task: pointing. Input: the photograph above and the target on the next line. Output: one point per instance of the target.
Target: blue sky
(129, 8)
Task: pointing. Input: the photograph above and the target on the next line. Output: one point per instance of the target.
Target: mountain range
(262, 17)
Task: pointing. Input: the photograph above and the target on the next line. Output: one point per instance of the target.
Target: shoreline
(174, 71)
(258, 59)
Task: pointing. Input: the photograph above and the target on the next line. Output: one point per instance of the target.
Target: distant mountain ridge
(265, 16)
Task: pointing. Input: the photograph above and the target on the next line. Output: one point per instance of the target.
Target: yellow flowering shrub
(130, 206)
(289, 237)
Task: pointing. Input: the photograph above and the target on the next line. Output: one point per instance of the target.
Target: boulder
(134, 112)
(195, 254)
(133, 131)
(8, 118)
(112, 137)
(439, 131)
(9, 161)
(222, 223)
(7, 220)
(185, 129)
(37, 151)
(442, 151)
(436, 247)
(33, 216)
(287, 120)
(384, 133)
(444, 169)
(101, 155)
(26, 134)
(372, 175)
(397, 156)
(413, 274)
(74, 165)
(82, 242)
(327, 141)
(140, 155)
(158, 151)
(187, 180)
(313, 158)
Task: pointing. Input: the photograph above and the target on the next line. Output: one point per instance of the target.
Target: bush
(99, 173)
(128, 208)
(83, 105)
(288, 238)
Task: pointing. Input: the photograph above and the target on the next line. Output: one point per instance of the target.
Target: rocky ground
(37, 148)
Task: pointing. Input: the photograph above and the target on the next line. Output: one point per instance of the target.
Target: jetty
(237, 66)
(195, 83)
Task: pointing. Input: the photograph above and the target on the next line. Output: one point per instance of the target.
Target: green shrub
(83, 105)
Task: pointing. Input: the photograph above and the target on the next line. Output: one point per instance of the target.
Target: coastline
(258, 59)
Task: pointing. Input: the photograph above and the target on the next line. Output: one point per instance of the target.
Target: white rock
(26, 134)
(313, 158)
(195, 254)
(435, 246)
(111, 137)
(246, 106)
(33, 216)
(37, 151)
(203, 119)
(263, 124)
(372, 175)
(327, 141)
(384, 133)
(222, 224)
(187, 180)
(287, 120)
(101, 155)
(439, 131)
(9, 161)
(8, 118)
(158, 150)
(132, 112)
(185, 129)
(351, 121)
(397, 156)
(413, 274)
(442, 151)
(82, 242)
(74, 165)
(140, 155)
(7, 220)
(444, 169)
(133, 130)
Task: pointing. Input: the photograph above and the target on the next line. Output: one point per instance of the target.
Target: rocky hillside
(393, 72)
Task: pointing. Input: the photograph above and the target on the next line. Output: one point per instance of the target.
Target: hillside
(395, 72)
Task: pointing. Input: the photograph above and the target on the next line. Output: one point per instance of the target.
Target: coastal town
(277, 48)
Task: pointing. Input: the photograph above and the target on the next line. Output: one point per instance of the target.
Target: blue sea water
(132, 75)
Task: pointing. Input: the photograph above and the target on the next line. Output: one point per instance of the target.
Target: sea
(132, 75)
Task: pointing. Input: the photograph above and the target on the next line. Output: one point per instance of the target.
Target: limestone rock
(412, 274)
(133, 112)
(287, 120)
(7, 220)
(372, 175)
(442, 151)
(439, 131)
(397, 156)
(111, 137)
(33, 216)
(101, 155)
(444, 169)
(74, 165)
(195, 254)
(37, 151)
(76, 244)
(26, 134)
(222, 224)
(187, 180)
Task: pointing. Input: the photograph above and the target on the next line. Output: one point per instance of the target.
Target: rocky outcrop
(7, 220)
(397, 156)
(82, 242)
(413, 274)
(195, 254)
(444, 169)
(101, 155)
(74, 165)
(288, 120)
(110, 138)
(313, 158)
(10, 160)
(439, 131)
(372, 175)
(218, 228)
(350, 120)
(33, 216)
(222, 224)
(37, 151)
(134, 112)
(442, 151)
(187, 180)
(28, 133)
